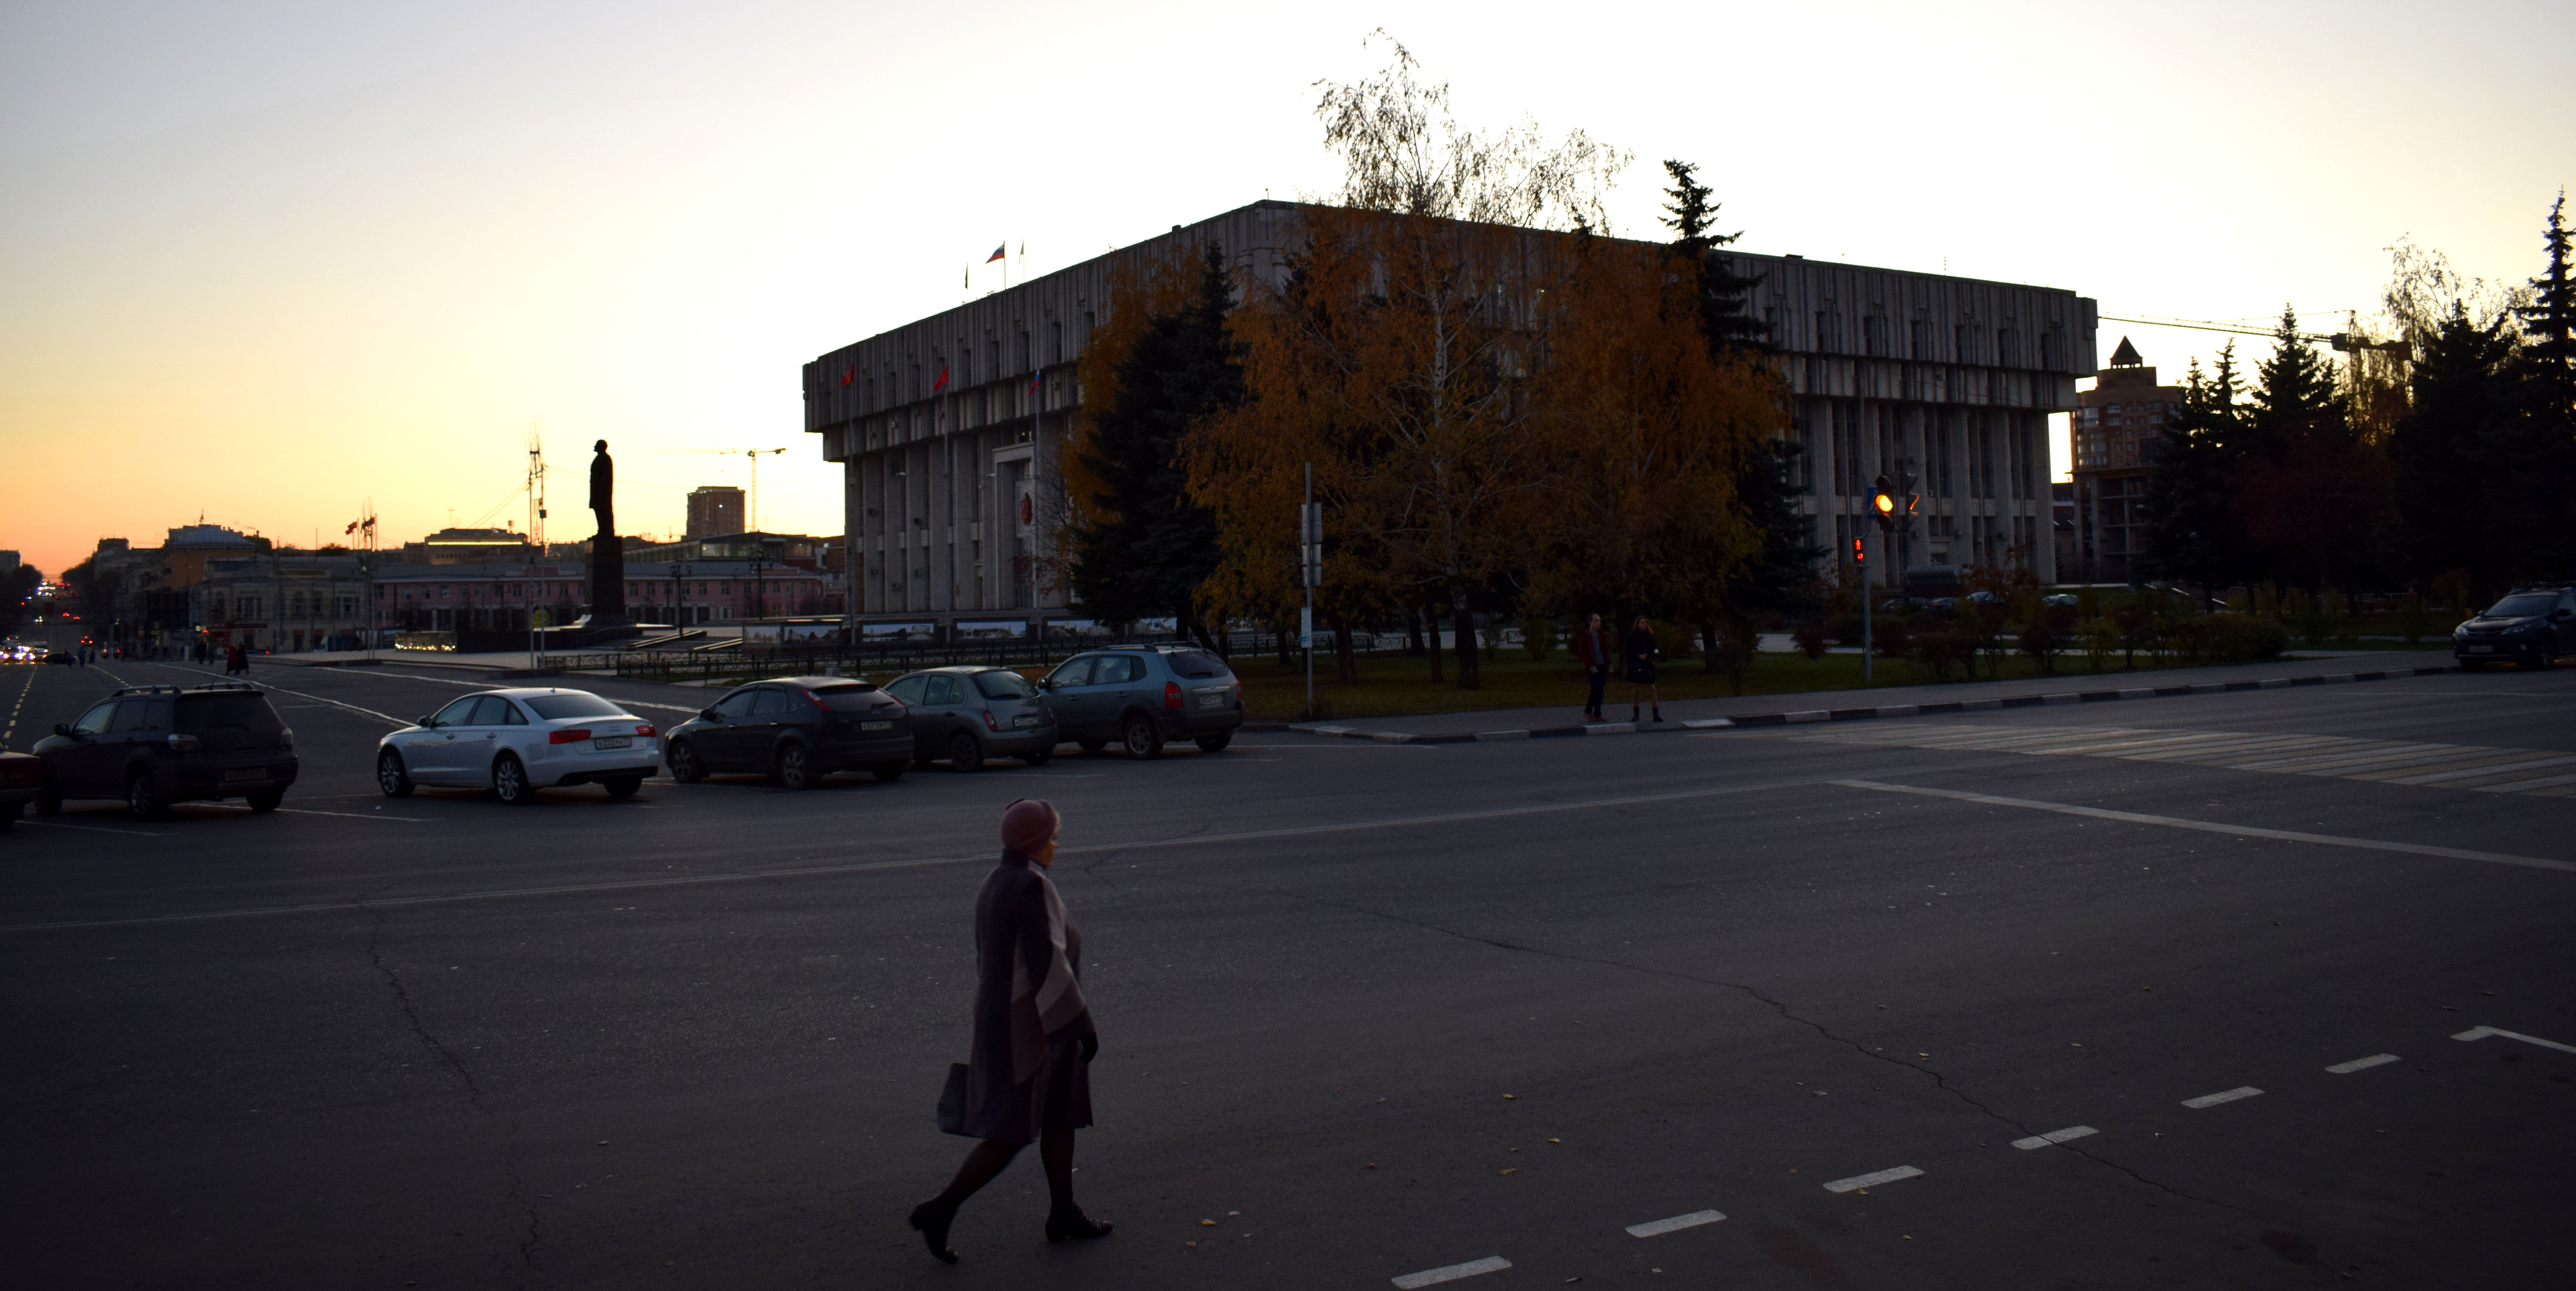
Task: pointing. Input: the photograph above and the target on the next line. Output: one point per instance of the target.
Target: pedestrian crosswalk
(2540, 772)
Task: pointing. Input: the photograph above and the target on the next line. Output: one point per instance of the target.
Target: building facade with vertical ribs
(948, 429)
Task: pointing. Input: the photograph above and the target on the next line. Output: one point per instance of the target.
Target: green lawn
(1394, 684)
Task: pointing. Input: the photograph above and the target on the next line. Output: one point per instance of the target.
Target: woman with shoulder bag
(1029, 1074)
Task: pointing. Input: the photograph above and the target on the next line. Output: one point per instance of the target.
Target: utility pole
(1310, 571)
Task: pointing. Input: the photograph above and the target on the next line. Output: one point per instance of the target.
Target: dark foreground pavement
(1373, 1010)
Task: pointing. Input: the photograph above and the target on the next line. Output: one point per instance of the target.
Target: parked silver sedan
(965, 714)
(514, 742)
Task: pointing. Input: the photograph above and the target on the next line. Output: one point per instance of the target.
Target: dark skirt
(1058, 1097)
(1641, 672)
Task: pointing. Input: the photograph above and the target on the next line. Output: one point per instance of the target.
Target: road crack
(1755, 993)
(465, 1077)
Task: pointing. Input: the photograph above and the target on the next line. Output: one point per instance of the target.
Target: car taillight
(182, 743)
(573, 736)
(989, 723)
(644, 731)
(1171, 694)
(286, 737)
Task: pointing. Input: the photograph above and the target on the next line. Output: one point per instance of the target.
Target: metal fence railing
(703, 664)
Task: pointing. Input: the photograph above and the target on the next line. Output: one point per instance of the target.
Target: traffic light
(1882, 504)
(1860, 550)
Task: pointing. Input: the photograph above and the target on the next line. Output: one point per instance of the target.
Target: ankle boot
(1069, 1222)
(931, 1219)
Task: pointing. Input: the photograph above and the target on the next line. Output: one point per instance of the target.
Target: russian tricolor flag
(997, 254)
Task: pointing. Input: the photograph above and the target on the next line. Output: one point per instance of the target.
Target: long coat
(1025, 1073)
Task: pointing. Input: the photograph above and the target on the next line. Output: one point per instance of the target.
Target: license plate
(1212, 699)
(254, 773)
(2481, 649)
(612, 741)
(1026, 719)
(876, 726)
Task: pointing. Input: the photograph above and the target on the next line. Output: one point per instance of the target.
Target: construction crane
(751, 503)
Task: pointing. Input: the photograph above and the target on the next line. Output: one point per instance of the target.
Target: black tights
(986, 1159)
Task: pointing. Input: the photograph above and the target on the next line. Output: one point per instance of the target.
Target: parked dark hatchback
(1142, 696)
(156, 745)
(2533, 626)
(966, 714)
(22, 781)
(798, 729)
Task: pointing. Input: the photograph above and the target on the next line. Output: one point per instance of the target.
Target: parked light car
(1142, 696)
(156, 745)
(799, 729)
(22, 781)
(967, 714)
(2533, 625)
(515, 742)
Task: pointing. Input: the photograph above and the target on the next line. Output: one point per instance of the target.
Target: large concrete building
(714, 509)
(948, 428)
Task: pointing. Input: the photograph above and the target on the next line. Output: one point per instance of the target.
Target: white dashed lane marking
(1659, 1227)
(2362, 1064)
(2222, 1096)
(2481, 1033)
(1872, 1179)
(2054, 1136)
(1453, 1272)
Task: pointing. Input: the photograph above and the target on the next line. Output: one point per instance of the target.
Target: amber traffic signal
(1882, 504)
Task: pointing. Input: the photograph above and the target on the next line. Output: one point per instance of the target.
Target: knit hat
(1028, 823)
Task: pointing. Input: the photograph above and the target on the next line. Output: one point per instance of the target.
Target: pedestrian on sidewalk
(1638, 653)
(1028, 1076)
(1592, 649)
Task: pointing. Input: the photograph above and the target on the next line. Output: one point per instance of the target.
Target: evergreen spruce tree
(2190, 533)
(1155, 546)
(1725, 296)
(2532, 503)
(2448, 452)
(1777, 578)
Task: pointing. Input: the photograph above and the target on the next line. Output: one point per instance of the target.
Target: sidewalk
(2071, 687)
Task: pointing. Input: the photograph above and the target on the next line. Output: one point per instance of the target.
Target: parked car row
(156, 745)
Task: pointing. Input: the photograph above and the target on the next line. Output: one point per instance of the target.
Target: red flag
(848, 375)
(353, 528)
(942, 382)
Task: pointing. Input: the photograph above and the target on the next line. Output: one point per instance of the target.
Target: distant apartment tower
(9, 561)
(2117, 425)
(714, 511)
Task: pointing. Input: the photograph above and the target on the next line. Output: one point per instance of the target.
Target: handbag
(952, 1102)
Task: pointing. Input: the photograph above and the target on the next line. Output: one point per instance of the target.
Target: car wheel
(685, 766)
(796, 767)
(965, 752)
(265, 799)
(888, 770)
(1144, 739)
(1091, 746)
(623, 787)
(1039, 758)
(142, 800)
(390, 776)
(1215, 743)
(49, 804)
(510, 782)
(8, 814)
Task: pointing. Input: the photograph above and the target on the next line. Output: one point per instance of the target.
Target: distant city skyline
(273, 261)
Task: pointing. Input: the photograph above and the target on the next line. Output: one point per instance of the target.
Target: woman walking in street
(1029, 1073)
(1638, 653)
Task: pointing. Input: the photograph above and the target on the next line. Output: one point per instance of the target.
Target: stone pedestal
(608, 583)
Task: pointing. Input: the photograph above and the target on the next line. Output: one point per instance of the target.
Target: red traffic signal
(1860, 552)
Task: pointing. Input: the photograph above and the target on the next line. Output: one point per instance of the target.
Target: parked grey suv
(1142, 696)
(964, 715)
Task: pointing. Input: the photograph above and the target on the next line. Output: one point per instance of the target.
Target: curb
(1860, 714)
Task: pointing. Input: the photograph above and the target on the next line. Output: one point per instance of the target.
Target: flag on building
(942, 382)
(997, 254)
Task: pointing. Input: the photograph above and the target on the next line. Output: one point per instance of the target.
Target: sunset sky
(268, 261)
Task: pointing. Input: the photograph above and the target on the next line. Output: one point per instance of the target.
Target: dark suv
(2533, 625)
(1142, 696)
(156, 745)
(798, 729)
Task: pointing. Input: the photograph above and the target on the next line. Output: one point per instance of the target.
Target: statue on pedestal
(607, 550)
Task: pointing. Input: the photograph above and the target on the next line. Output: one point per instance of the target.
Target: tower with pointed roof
(2117, 426)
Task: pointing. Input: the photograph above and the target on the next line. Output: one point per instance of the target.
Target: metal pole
(1307, 559)
(1866, 675)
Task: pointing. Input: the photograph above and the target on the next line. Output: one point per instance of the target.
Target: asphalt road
(1374, 1010)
